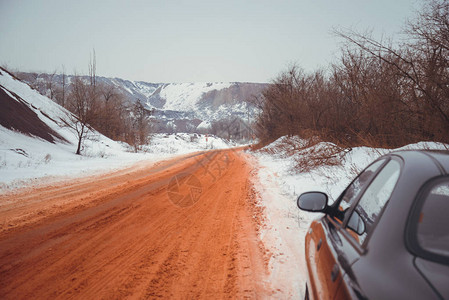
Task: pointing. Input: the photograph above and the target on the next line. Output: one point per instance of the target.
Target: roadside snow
(26, 160)
(279, 185)
(284, 231)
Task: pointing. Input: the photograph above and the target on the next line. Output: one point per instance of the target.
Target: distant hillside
(178, 107)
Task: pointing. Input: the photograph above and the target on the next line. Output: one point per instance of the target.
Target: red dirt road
(184, 228)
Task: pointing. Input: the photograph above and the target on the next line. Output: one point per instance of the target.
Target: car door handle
(334, 272)
(318, 247)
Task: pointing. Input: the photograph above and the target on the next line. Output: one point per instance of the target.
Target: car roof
(442, 156)
(439, 157)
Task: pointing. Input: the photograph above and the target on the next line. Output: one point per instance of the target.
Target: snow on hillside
(37, 102)
(182, 97)
(231, 111)
(147, 89)
(25, 158)
(279, 185)
(185, 96)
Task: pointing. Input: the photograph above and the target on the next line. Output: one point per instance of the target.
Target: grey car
(387, 235)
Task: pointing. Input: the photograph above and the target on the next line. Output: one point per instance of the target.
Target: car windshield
(433, 223)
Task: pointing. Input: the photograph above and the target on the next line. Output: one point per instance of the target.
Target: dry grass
(308, 153)
(325, 154)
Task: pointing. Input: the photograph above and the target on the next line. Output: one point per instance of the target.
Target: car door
(326, 249)
(335, 243)
(360, 223)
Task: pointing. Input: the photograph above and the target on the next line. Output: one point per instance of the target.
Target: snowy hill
(34, 142)
(181, 106)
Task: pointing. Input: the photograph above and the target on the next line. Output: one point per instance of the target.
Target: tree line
(381, 94)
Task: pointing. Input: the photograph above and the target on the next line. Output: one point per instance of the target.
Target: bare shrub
(324, 154)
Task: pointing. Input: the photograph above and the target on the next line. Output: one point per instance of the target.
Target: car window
(373, 200)
(354, 189)
(433, 223)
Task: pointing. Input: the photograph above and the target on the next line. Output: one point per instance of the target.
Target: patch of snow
(145, 89)
(204, 125)
(185, 96)
(128, 89)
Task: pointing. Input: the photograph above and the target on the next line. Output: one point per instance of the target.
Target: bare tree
(422, 62)
(139, 129)
(93, 69)
(50, 86)
(83, 104)
(61, 90)
(111, 113)
(379, 94)
(83, 108)
(63, 87)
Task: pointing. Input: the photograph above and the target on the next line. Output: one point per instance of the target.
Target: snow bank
(278, 157)
(26, 160)
(279, 184)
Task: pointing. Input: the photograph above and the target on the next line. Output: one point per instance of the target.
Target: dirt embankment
(185, 228)
(17, 115)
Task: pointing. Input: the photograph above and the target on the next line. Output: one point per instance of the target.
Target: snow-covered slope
(26, 154)
(186, 96)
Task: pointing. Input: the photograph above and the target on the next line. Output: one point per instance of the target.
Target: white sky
(187, 41)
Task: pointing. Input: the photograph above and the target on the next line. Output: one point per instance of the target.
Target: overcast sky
(187, 41)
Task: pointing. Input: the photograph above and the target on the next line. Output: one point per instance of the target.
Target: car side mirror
(356, 223)
(313, 201)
